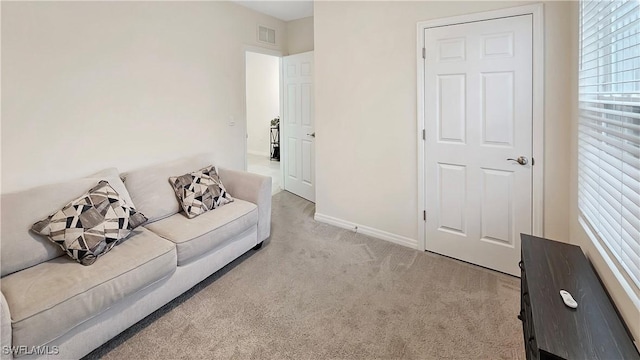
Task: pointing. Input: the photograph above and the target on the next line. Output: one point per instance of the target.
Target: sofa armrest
(253, 188)
(5, 329)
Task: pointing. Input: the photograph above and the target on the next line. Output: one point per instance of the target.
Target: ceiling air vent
(266, 35)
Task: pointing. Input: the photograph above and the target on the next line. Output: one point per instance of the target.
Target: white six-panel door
(298, 126)
(478, 114)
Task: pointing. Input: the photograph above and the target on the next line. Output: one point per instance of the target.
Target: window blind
(609, 128)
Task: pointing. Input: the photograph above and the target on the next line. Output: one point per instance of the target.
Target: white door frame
(536, 10)
(260, 50)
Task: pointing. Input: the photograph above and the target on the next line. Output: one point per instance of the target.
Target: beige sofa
(53, 307)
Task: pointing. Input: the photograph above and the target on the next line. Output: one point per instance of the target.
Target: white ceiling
(283, 10)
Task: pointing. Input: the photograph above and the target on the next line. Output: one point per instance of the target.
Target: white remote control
(568, 299)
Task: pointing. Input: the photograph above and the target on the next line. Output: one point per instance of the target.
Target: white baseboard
(366, 230)
(258, 153)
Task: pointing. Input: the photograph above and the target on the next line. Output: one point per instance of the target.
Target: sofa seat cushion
(197, 236)
(49, 299)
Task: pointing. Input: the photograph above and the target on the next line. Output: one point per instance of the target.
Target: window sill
(625, 281)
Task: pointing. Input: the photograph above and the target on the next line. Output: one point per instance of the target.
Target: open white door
(478, 111)
(298, 131)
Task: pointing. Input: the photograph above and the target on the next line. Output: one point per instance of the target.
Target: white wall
(300, 35)
(87, 85)
(263, 100)
(365, 64)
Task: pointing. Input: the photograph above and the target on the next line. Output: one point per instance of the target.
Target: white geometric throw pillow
(91, 225)
(200, 191)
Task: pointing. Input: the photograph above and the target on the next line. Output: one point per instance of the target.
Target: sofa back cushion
(21, 248)
(150, 189)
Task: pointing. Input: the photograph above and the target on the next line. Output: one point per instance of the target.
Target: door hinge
(424, 134)
(424, 53)
(424, 215)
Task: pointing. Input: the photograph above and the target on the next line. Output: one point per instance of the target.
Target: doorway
(480, 154)
(262, 74)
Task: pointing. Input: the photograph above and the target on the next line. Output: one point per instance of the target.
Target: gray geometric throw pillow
(91, 225)
(200, 191)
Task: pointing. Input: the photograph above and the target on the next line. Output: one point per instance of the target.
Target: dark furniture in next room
(275, 142)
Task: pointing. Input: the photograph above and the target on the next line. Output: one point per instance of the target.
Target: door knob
(313, 134)
(522, 160)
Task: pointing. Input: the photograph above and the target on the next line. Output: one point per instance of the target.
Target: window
(609, 128)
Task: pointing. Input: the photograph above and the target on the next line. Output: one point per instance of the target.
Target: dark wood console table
(551, 329)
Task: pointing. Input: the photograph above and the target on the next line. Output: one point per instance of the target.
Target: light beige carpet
(318, 292)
